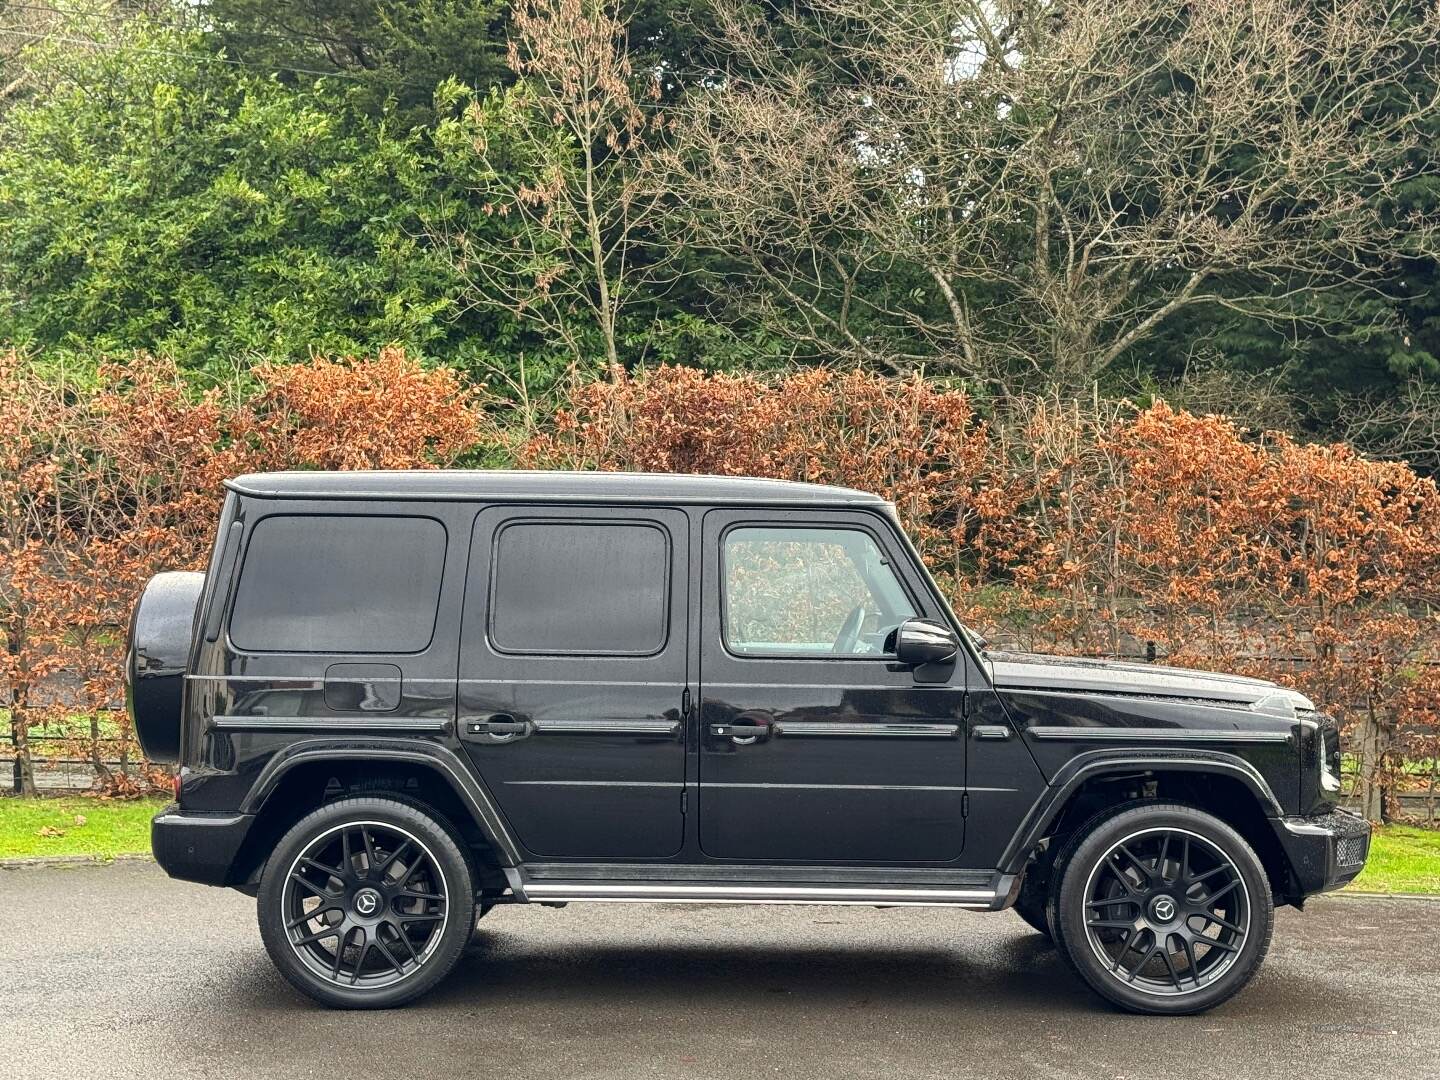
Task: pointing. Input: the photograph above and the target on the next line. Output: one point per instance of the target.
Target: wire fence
(67, 771)
(63, 762)
(59, 768)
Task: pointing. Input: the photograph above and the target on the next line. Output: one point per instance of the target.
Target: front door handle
(501, 724)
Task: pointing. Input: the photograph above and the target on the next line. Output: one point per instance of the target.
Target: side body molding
(1099, 763)
(429, 755)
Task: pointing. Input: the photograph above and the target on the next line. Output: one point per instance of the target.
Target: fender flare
(1096, 763)
(439, 759)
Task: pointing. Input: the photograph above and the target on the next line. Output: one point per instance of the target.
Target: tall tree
(160, 198)
(562, 157)
(1031, 191)
(396, 52)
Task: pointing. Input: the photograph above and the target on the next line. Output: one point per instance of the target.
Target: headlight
(1328, 741)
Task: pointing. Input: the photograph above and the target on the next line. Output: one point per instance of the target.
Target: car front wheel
(366, 903)
(1163, 909)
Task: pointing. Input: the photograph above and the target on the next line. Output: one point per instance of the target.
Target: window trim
(821, 526)
(666, 598)
(253, 529)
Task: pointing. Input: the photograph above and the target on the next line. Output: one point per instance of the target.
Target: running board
(990, 897)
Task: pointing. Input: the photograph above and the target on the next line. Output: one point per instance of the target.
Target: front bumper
(198, 847)
(1326, 851)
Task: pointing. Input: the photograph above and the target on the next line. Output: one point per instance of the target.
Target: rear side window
(339, 584)
(593, 588)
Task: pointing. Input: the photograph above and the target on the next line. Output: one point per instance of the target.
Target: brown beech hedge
(1052, 524)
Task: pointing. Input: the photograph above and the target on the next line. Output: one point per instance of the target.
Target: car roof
(501, 485)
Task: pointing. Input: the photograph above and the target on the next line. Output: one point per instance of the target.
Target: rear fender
(439, 759)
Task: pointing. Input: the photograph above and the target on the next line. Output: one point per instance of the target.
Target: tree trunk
(102, 771)
(20, 738)
(1377, 743)
(20, 707)
(604, 307)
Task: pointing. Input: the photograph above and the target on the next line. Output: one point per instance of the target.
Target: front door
(815, 745)
(572, 671)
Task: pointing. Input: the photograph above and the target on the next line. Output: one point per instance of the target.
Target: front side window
(339, 584)
(587, 588)
(809, 592)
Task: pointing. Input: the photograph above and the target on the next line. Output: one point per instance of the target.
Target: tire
(389, 880)
(1162, 909)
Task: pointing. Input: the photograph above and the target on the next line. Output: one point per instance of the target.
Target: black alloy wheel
(366, 903)
(1164, 909)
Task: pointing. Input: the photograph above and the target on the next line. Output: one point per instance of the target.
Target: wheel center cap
(1162, 908)
(367, 903)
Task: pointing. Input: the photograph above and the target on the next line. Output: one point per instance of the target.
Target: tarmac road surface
(117, 971)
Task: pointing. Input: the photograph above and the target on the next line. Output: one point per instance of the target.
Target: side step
(995, 893)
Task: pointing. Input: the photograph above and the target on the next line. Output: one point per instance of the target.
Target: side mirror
(919, 642)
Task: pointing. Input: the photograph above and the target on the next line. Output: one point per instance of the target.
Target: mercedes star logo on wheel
(1164, 909)
(366, 902)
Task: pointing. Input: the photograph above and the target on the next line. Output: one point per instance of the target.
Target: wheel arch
(1220, 784)
(309, 774)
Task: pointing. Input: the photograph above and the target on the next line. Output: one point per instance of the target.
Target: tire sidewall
(436, 833)
(1068, 907)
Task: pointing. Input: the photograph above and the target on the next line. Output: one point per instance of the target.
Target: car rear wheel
(1030, 904)
(366, 903)
(1163, 909)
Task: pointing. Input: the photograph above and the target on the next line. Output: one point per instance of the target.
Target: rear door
(572, 671)
(815, 746)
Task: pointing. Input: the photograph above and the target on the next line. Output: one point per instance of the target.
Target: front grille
(1350, 850)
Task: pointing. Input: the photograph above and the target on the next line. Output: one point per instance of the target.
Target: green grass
(98, 828)
(1402, 860)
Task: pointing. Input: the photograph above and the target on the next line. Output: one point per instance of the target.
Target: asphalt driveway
(117, 971)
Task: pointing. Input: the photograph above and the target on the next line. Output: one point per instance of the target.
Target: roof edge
(708, 488)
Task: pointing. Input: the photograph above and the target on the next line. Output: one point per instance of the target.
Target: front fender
(1097, 763)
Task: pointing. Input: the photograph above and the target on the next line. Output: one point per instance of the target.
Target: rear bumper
(198, 847)
(1326, 851)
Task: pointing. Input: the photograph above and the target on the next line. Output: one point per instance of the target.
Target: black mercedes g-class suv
(398, 700)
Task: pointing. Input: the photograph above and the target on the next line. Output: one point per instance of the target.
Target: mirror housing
(919, 642)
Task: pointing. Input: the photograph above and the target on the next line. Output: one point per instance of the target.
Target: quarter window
(809, 592)
(339, 584)
(592, 588)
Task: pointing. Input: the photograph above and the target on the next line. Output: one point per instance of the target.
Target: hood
(1033, 671)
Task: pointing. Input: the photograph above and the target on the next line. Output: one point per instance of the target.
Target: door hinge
(684, 801)
(965, 805)
(685, 703)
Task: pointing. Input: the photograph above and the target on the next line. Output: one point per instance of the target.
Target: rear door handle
(991, 731)
(744, 734)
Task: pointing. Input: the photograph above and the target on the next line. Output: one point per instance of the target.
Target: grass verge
(1402, 860)
(98, 828)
